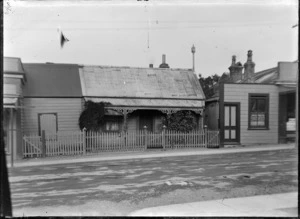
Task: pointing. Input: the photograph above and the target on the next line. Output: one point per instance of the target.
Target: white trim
(82, 81)
(7, 75)
(9, 106)
(286, 83)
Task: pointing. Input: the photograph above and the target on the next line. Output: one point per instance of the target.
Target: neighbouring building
(14, 79)
(255, 108)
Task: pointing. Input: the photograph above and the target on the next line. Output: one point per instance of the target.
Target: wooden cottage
(142, 97)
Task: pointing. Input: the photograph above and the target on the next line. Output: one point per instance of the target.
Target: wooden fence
(81, 143)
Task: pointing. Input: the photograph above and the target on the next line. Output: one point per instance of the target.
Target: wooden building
(52, 98)
(14, 79)
(256, 108)
(142, 96)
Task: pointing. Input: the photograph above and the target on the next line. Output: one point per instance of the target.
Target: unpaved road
(117, 188)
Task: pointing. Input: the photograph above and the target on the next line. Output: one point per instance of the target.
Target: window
(258, 111)
(112, 125)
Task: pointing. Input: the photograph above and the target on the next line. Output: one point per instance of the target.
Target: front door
(231, 123)
(146, 120)
(48, 123)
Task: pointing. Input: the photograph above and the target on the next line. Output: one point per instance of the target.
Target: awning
(151, 103)
(10, 102)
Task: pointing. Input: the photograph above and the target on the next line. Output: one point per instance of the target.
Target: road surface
(119, 187)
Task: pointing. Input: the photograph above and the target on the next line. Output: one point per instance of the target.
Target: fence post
(84, 141)
(205, 136)
(123, 136)
(145, 134)
(164, 137)
(43, 143)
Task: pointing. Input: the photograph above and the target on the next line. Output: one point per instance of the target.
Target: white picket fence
(81, 143)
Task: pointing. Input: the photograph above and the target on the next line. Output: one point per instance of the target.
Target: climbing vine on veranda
(92, 116)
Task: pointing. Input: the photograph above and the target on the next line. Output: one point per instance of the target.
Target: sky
(137, 33)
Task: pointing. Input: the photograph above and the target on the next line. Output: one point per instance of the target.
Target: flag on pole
(63, 39)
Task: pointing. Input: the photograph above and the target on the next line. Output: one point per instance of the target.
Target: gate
(32, 146)
(213, 139)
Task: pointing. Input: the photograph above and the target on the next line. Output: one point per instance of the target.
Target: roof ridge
(48, 63)
(129, 67)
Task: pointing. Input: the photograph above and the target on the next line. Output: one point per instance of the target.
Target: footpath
(275, 205)
(144, 154)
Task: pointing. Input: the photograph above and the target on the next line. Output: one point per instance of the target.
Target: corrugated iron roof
(52, 80)
(103, 81)
(265, 76)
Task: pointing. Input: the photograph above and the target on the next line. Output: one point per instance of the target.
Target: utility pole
(193, 51)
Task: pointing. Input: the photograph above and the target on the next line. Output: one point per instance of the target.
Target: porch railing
(81, 142)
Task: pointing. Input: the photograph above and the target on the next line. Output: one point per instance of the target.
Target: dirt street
(117, 188)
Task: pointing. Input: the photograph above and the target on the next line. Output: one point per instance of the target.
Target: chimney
(233, 60)
(249, 68)
(164, 64)
(150, 65)
(236, 70)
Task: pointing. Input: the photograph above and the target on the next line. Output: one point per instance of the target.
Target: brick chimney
(150, 65)
(235, 70)
(249, 68)
(164, 64)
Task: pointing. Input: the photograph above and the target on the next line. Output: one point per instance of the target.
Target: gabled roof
(142, 87)
(140, 82)
(52, 80)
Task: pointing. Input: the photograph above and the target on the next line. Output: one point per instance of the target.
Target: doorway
(287, 117)
(231, 123)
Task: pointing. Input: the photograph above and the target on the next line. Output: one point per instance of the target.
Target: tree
(225, 78)
(92, 116)
(208, 84)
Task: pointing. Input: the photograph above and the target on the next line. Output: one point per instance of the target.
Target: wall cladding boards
(239, 93)
(68, 111)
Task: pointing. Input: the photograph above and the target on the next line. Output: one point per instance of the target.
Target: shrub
(183, 121)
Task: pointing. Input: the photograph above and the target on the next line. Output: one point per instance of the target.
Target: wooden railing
(81, 142)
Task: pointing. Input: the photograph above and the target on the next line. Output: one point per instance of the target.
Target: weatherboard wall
(239, 93)
(68, 111)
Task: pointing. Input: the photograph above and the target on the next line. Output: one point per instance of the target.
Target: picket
(75, 143)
